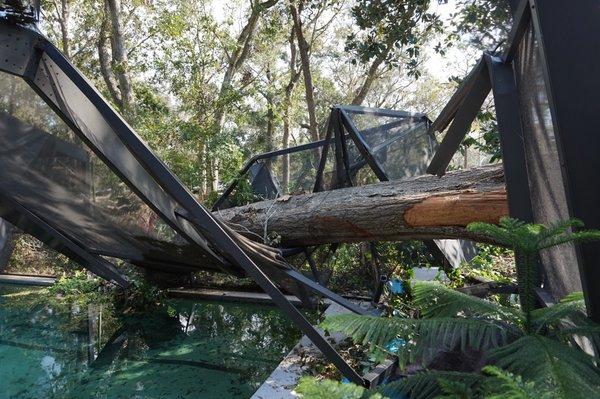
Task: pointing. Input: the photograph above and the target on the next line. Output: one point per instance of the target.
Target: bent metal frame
(564, 32)
(341, 132)
(27, 54)
(562, 39)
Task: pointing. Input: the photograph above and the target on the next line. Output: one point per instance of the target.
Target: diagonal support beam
(508, 113)
(210, 227)
(362, 146)
(301, 278)
(465, 114)
(32, 224)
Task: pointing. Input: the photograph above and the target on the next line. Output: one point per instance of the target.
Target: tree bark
(62, 17)
(289, 89)
(234, 64)
(362, 92)
(303, 48)
(425, 207)
(104, 58)
(120, 65)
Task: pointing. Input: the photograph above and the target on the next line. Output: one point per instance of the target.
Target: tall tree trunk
(304, 48)
(270, 134)
(62, 16)
(287, 100)
(362, 92)
(120, 65)
(234, 64)
(424, 207)
(104, 58)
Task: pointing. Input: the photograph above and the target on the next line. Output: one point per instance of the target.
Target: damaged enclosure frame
(340, 128)
(341, 132)
(26, 54)
(561, 37)
(564, 32)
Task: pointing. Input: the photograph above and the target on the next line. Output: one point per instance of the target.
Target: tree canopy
(208, 83)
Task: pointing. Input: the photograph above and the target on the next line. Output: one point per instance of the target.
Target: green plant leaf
(436, 300)
(428, 336)
(311, 388)
(545, 361)
(429, 384)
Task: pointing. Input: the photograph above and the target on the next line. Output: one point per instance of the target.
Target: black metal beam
(316, 287)
(508, 115)
(362, 146)
(36, 226)
(266, 155)
(200, 218)
(465, 114)
(85, 111)
(342, 151)
(357, 109)
(342, 178)
(324, 153)
(206, 224)
(521, 18)
(568, 36)
(447, 114)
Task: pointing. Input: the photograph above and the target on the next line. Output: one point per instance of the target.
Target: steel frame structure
(30, 56)
(570, 71)
(340, 130)
(564, 32)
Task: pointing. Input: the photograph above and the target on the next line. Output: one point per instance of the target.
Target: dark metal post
(508, 114)
(465, 114)
(568, 33)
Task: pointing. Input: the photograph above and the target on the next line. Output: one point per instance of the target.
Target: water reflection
(190, 349)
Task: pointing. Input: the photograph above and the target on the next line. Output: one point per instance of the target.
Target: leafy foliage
(388, 25)
(534, 344)
(311, 388)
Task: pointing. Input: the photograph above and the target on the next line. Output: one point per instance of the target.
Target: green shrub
(535, 344)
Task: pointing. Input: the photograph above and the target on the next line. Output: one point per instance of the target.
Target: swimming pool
(193, 349)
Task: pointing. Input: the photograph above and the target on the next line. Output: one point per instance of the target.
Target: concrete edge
(282, 381)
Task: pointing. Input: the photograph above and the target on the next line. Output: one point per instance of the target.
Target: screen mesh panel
(281, 174)
(401, 145)
(46, 168)
(301, 174)
(543, 165)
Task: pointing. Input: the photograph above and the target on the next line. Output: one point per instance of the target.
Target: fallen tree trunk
(426, 207)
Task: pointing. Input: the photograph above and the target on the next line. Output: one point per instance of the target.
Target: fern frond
(429, 336)
(433, 336)
(572, 372)
(558, 228)
(426, 385)
(498, 233)
(557, 313)
(575, 237)
(573, 296)
(588, 331)
(437, 300)
(377, 331)
(505, 385)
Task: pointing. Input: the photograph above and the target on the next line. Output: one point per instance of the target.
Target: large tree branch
(424, 207)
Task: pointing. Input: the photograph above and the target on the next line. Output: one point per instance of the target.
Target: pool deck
(282, 381)
(26, 280)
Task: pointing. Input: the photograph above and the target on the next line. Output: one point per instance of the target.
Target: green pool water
(194, 349)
